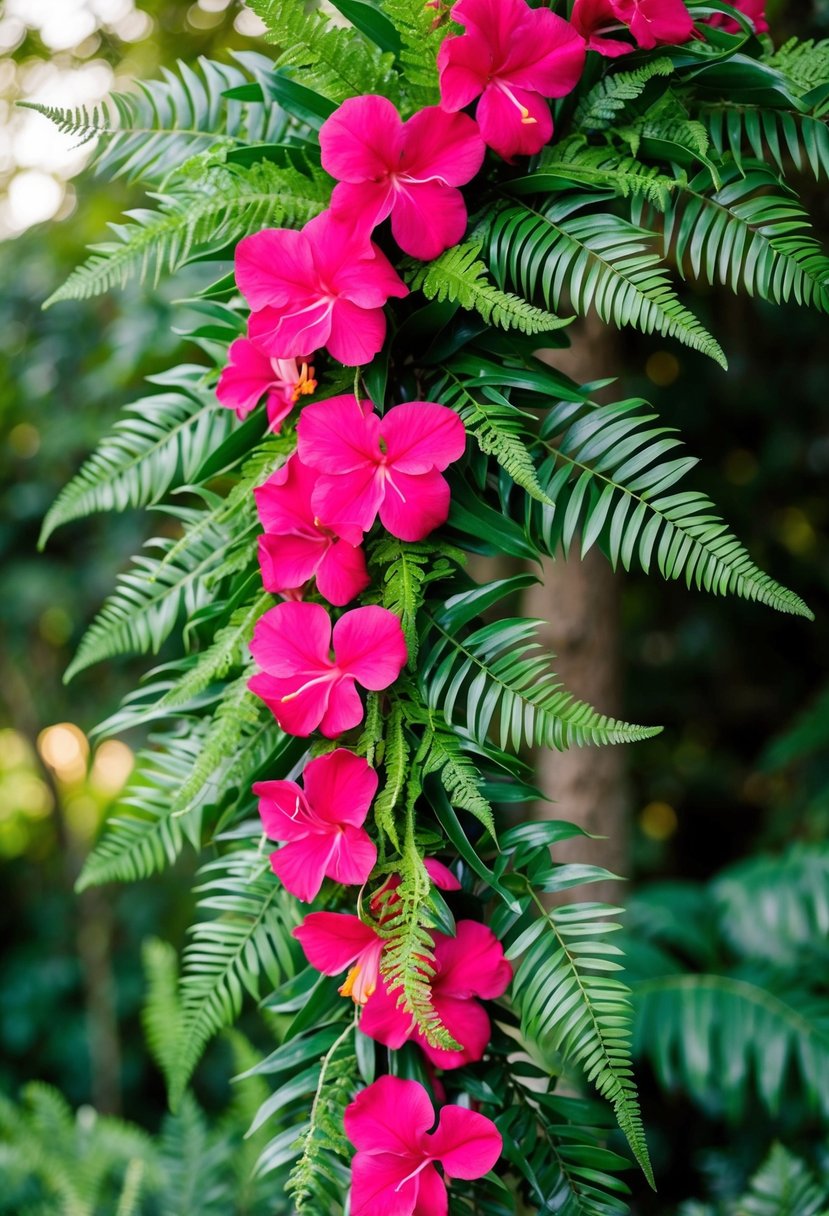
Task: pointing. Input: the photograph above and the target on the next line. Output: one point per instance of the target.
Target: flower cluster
(325, 289)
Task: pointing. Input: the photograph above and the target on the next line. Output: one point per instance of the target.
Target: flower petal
(382, 1021)
(283, 809)
(468, 1023)
(546, 56)
(376, 1185)
(344, 708)
(333, 940)
(467, 1144)
(361, 140)
(301, 865)
(390, 1116)
(365, 204)
(503, 128)
(465, 63)
(272, 265)
(351, 499)
(293, 329)
(427, 218)
(287, 562)
(416, 505)
(356, 334)
(297, 714)
(472, 963)
(353, 859)
(369, 646)
(441, 875)
(422, 435)
(246, 379)
(338, 435)
(443, 146)
(432, 1199)
(342, 573)
(340, 787)
(293, 639)
(284, 500)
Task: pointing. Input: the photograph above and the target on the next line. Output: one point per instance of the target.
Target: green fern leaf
(602, 168)
(593, 261)
(805, 63)
(166, 439)
(752, 233)
(610, 475)
(496, 675)
(229, 203)
(771, 136)
(336, 63)
(396, 753)
(784, 1186)
(443, 754)
(607, 101)
(325, 1152)
(228, 650)
(232, 952)
(161, 1014)
(458, 275)
(408, 568)
(147, 134)
(421, 34)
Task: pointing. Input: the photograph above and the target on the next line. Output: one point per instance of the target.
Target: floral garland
(325, 288)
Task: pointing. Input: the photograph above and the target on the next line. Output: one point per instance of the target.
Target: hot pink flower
(322, 824)
(512, 56)
(408, 170)
(393, 1171)
(651, 22)
(323, 286)
(250, 374)
(468, 966)
(296, 545)
(390, 465)
(302, 685)
(335, 941)
(442, 877)
(755, 10)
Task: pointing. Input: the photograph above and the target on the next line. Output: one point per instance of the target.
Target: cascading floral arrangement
(533, 161)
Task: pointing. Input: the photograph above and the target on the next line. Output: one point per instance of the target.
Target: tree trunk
(579, 601)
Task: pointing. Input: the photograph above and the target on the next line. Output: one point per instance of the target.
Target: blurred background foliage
(723, 800)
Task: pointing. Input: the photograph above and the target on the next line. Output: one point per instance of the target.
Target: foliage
(640, 176)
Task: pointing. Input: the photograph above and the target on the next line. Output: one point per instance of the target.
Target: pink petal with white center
(272, 264)
(297, 713)
(356, 334)
(414, 506)
(447, 147)
(338, 435)
(466, 1144)
(354, 858)
(377, 1185)
(297, 327)
(369, 645)
(333, 940)
(342, 573)
(362, 139)
(472, 963)
(344, 709)
(283, 809)
(427, 219)
(500, 118)
(293, 641)
(420, 436)
(340, 787)
(390, 1116)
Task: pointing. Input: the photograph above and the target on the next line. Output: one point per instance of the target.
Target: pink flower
(468, 966)
(408, 170)
(390, 465)
(250, 374)
(302, 685)
(323, 286)
(651, 22)
(512, 56)
(322, 824)
(755, 10)
(336, 941)
(393, 1171)
(296, 545)
(384, 899)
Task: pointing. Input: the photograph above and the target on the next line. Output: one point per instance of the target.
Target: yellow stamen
(526, 117)
(306, 383)
(347, 987)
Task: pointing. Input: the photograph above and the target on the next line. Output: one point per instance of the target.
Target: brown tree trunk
(579, 601)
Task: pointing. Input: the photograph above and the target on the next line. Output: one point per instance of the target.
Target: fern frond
(230, 202)
(495, 678)
(147, 134)
(602, 168)
(150, 598)
(458, 275)
(607, 101)
(784, 1184)
(443, 754)
(336, 63)
(396, 754)
(570, 1002)
(193, 1179)
(715, 1036)
(593, 261)
(161, 1013)
(769, 135)
(325, 1152)
(141, 836)
(805, 63)
(609, 474)
(420, 36)
(228, 650)
(408, 568)
(232, 952)
(166, 439)
(498, 426)
(752, 233)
